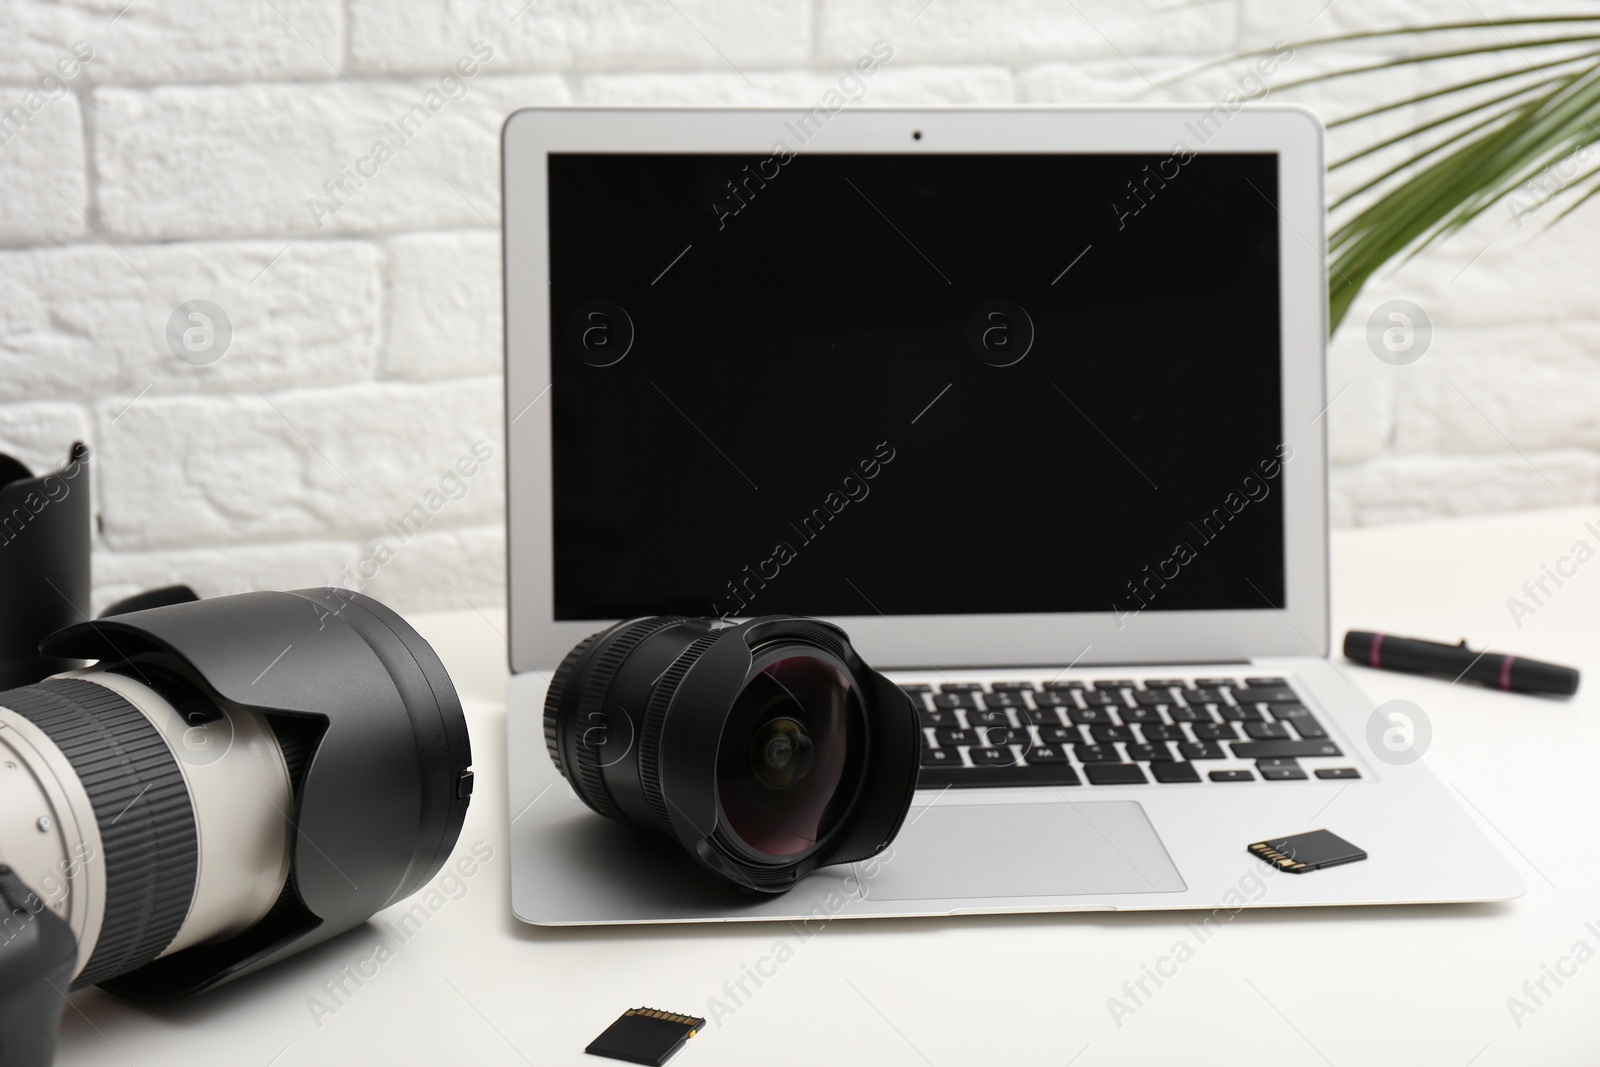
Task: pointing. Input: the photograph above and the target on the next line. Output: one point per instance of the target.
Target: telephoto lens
(232, 781)
(766, 749)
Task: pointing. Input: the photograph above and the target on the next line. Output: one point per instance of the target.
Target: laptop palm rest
(956, 851)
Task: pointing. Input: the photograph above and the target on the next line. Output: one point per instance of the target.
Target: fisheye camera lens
(766, 749)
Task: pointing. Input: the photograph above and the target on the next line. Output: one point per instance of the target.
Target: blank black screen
(808, 414)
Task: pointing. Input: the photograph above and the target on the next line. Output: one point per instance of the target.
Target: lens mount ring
(552, 702)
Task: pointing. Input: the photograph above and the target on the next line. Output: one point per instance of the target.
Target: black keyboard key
(1254, 750)
(1203, 750)
(961, 687)
(1113, 683)
(1104, 734)
(1338, 772)
(1265, 681)
(1174, 772)
(992, 757)
(1004, 698)
(939, 717)
(1146, 753)
(955, 700)
(1091, 716)
(1140, 714)
(1269, 764)
(996, 717)
(979, 777)
(1217, 683)
(1282, 774)
(951, 736)
(1267, 731)
(1103, 698)
(1164, 683)
(1215, 731)
(1202, 696)
(1232, 776)
(1060, 735)
(1248, 713)
(1155, 731)
(1045, 754)
(1039, 716)
(1096, 753)
(916, 689)
(1051, 698)
(1190, 715)
(1305, 724)
(1115, 774)
(1002, 735)
(1012, 687)
(941, 757)
(1266, 695)
(1151, 698)
(1062, 687)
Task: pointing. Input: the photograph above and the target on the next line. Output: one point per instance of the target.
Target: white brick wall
(179, 152)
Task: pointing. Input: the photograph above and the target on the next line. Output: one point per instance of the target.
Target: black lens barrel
(636, 715)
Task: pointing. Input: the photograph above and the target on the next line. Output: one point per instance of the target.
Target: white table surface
(1417, 985)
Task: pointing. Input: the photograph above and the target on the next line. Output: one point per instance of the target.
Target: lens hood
(44, 562)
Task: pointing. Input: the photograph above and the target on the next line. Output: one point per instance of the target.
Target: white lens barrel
(238, 789)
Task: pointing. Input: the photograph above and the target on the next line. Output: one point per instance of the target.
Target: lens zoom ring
(603, 670)
(656, 711)
(141, 803)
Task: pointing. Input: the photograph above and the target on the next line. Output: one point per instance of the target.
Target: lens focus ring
(141, 804)
(591, 783)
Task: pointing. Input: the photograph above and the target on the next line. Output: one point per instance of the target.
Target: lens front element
(790, 760)
(782, 753)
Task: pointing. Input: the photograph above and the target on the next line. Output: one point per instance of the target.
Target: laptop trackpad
(948, 851)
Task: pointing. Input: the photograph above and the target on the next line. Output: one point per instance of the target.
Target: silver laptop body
(1082, 353)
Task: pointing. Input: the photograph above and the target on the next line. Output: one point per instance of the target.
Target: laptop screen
(846, 385)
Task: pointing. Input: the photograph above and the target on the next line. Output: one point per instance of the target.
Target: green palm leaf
(1474, 157)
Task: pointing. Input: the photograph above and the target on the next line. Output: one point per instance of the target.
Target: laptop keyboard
(1118, 731)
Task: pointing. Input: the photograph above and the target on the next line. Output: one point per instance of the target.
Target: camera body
(37, 957)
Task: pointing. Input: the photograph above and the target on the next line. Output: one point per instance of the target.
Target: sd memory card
(1309, 851)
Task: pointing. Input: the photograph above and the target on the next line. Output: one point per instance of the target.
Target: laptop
(1030, 401)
